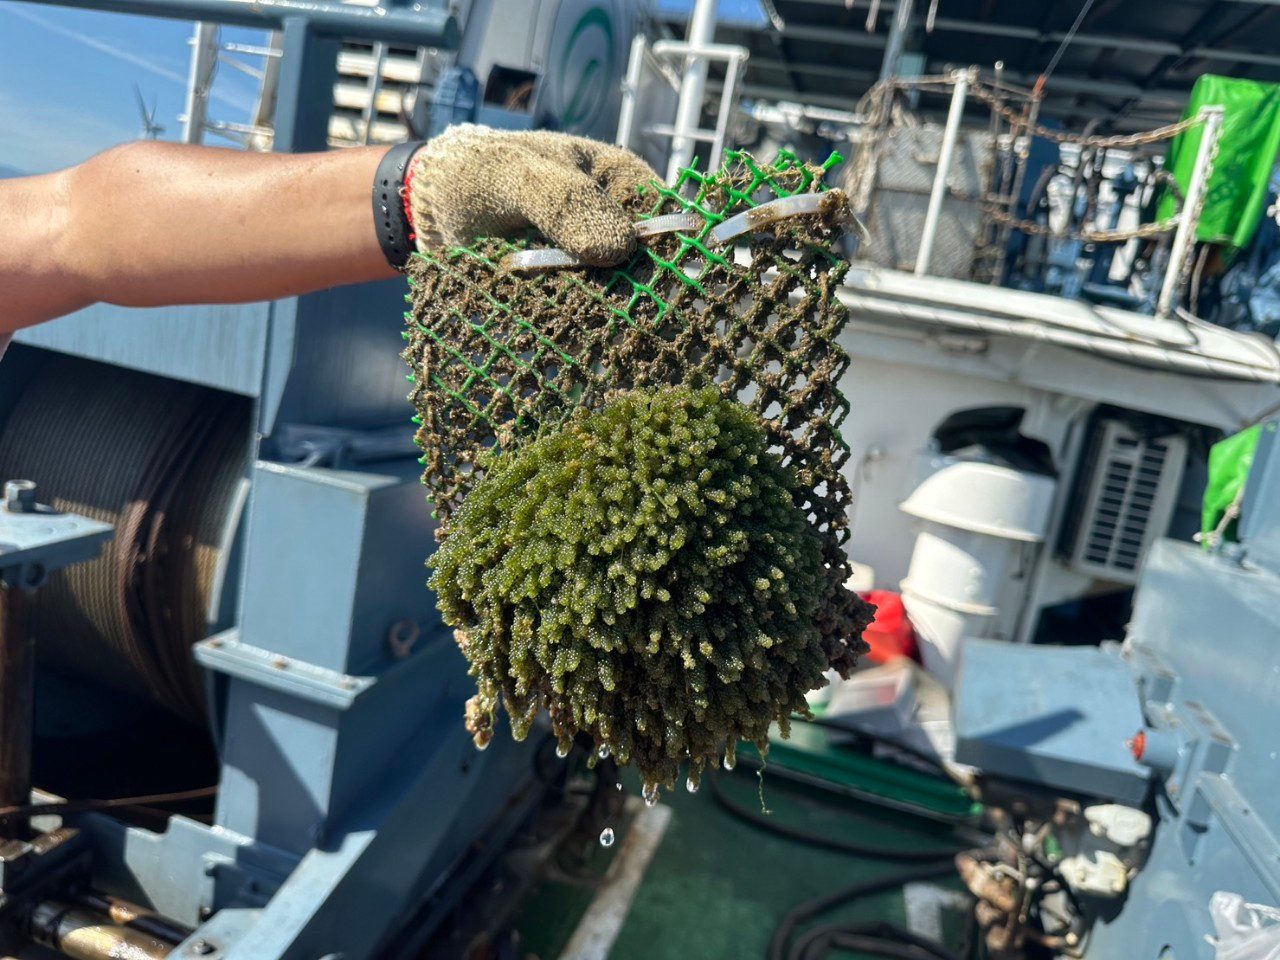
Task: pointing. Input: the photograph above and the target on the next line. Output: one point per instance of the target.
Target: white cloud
(120, 53)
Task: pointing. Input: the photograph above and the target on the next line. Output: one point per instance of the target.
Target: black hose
(868, 797)
(811, 908)
(764, 822)
(877, 938)
(875, 946)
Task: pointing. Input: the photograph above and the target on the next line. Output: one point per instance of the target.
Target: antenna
(150, 129)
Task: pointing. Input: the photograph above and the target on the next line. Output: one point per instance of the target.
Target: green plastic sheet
(1237, 193)
(1229, 464)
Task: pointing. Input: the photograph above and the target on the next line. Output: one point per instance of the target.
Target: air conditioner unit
(1125, 497)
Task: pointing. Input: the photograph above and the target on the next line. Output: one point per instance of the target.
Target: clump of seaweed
(642, 572)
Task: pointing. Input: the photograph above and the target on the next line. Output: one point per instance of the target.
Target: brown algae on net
(503, 361)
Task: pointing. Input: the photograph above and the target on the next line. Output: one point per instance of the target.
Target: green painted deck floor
(718, 886)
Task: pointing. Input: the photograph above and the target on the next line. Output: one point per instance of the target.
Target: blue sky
(740, 11)
(67, 76)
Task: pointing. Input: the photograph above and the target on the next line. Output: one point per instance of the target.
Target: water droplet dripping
(562, 750)
(729, 762)
(691, 785)
(603, 753)
(650, 794)
(606, 837)
(618, 785)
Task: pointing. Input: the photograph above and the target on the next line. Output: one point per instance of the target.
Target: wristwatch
(391, 217)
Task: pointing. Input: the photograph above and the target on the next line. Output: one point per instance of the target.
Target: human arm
(151, 223)
(148, 223)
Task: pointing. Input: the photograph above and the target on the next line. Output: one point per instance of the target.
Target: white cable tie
(749, 221)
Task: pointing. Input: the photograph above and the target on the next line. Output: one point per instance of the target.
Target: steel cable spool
(162, 461)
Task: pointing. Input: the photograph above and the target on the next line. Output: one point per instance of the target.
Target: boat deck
(717, 886)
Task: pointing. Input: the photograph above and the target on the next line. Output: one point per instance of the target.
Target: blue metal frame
(1203, 646)
(350, 791)
(428, 24)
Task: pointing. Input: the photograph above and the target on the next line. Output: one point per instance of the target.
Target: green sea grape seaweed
(644, 573)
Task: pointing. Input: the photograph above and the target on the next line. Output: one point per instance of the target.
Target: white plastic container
(975, 517)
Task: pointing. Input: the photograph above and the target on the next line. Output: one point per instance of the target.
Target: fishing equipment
(733, 288)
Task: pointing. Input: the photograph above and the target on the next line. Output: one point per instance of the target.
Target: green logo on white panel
(585, 71)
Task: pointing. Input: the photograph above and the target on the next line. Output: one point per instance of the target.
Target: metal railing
(1184, 223)
(684, 64)
(423, 25)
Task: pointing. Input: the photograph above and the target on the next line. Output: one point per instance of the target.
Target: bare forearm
(152, 223)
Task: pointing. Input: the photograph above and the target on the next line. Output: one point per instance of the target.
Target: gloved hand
(472, 182)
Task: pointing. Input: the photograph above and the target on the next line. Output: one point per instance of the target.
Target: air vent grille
(1131, 489)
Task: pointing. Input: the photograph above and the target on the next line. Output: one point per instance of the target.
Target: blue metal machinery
(1203, 649)
(353, 809)
(1034, 713)
(1192, 695)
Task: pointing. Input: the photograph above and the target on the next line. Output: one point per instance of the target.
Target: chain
(1145, 137)
(876, 104)
(1086, 236)
(1167, 132)
(989, 96)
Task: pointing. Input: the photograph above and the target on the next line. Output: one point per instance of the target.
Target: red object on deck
(890, 634)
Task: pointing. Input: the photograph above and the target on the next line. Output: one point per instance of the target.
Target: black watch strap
(390, 217)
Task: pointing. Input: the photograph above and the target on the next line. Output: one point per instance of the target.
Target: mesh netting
(496, 354)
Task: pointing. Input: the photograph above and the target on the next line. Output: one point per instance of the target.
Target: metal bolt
(20, 496)
(202, 948)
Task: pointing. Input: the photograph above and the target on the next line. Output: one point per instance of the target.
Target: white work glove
(473, 182)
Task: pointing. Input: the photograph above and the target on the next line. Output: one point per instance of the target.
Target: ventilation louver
(1131, 485)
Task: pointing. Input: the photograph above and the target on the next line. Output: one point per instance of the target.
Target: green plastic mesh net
(501, 357)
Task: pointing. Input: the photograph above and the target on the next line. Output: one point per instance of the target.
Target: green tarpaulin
(1237, 194)
(1229, 463)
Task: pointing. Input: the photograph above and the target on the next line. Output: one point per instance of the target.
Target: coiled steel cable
(161, 460)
